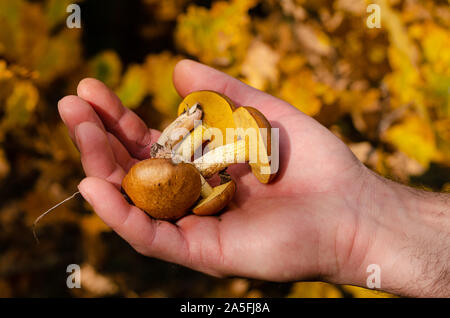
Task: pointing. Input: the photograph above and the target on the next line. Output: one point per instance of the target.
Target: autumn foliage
(384, 91)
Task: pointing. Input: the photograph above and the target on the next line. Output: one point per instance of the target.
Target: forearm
(406, 232)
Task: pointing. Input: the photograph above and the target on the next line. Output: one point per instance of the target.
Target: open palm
(298, 227)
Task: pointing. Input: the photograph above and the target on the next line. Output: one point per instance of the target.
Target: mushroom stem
(189, 145)
(221, 157)
(184, 124)
(207, 190)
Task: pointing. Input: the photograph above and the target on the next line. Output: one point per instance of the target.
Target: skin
(325, 217)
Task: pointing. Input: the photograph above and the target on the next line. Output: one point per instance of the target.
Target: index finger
(190, 76)
(120, 121)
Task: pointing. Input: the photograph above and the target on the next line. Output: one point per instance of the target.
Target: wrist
(403, 232)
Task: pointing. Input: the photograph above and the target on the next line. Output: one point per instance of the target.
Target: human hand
(321, 218)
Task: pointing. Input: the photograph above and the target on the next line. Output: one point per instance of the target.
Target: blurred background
(384, 91)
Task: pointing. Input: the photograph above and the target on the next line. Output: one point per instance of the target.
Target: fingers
(121, 154)
(189, 76)
(150, 237)
(120, 121)
(96, 155)
(75, 110)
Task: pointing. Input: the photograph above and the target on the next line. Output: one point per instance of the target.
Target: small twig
(49, 210)
(224, 176)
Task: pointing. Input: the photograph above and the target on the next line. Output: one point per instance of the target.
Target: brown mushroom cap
(249, 117)
(163, 189)
(217, 200)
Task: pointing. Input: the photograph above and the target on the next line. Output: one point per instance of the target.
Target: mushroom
(175, 131)
(215, 199)
(185, 150)
(220, 112)
(221, 157)
(166, 187)
(163, 189)
(249, 117)
(217, 113)
(244, 149)
(168, 184)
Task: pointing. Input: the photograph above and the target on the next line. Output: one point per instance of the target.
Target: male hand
(325, 216)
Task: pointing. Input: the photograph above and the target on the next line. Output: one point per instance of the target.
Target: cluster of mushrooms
(170, 183)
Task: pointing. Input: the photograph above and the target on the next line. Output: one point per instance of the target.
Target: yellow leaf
(415, 138)
(396, 30)
(359, 292)
(260, 65)
(55, 11)
(314, 290)
(133, 88)
(9, 26)
(62, 55)
(360, 104)
(27, 39)
(314, 40)
(5, 73)
(303, 91)
(217, 36)
(436, 47)
(20, 104)
(159, 69)
(442, 129)
(437, 91)
(403, 80)
(31, 39)
(356, 7)
(291, 63)
(106, 67)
